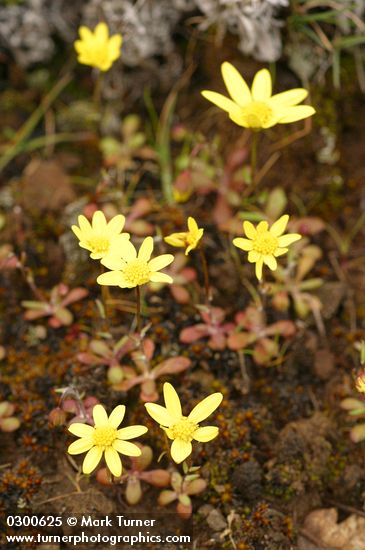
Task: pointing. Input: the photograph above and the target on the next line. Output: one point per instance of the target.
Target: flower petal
(258, 269)
(146, 249)
(99, 415)
(180, 450)
(172, 401)
(115, 225)
(160, 262)
(160, 414)
(271, 262)
(288, 98)
(81, 430)
(192, 225)
(80, 446)
(222, 102)
(286, 240)
(126, 448)
(85, 33)
(113, 262)
(280, 252)
(128, 252)
(236, 85)
(117, 415)
(130, 432)
(279, 226)
(98, 222)
(262, 227)
(207, 433)
(84, 225)
(262, 86)
(158, 277)
(92, 459)
(111, 278)
(293, 114)
(101, 32)
(205, 407)
(113, 461)
(253, 256)
(244, 244)
(249, 230)
(77, 231)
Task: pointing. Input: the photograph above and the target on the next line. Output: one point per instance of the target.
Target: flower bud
(57, 417)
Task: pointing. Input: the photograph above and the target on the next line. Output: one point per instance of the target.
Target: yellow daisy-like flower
(131, 270)
(186, 239)
(264, 245)
(103, 239)
(105, 438)
(183, 429)
(360, 382)
(258, 108)
(96, 48)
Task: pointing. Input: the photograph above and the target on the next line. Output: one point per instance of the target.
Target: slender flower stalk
(182, 430)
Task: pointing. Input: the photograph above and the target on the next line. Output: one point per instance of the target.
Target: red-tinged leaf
(54, 322)
(265, 350)
(90, 359)
(195, 487)
(31, 314)
(236, 159)
(140, 228)
(250, 319)
(173, 365)
(75, 295)
(157, 478)
(148, 391)
(357, 433)
(184, 510)
(133, 492)
(217, 341)
(100, 348)
(126, 385)
(63, 315)
(192, 334)
(166, 497)
(281, 328)
(351, 403)
(212, 315)
(180, 294)
(222, 212)
(9, 424)
(140, 208)
(188, 274)
(239, 340)
(148, 348)
(309, 225)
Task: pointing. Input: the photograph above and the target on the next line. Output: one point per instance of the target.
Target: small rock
(246, 479)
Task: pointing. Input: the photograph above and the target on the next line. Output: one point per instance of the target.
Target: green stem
(138, 308)
(254, 158)
(98, 89)
(205, 274)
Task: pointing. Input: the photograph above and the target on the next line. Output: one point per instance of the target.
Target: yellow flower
(130, 270)
(258, 108)
(264, 245)
(96, 48)
(186, 239)
(105, 438)
(103, 239)
(183, 429)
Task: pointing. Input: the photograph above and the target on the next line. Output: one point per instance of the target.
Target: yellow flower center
(98, 245)
(257, 114)
(104, 436)
(184, 429)
(137, 272)
(265, 243)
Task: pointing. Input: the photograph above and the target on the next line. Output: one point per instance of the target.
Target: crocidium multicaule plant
(130, 269)
(258, 108)
(97, 49)
(105, 439)
(103, 239)
(186, 239)
(184, 429)
(264, 245)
